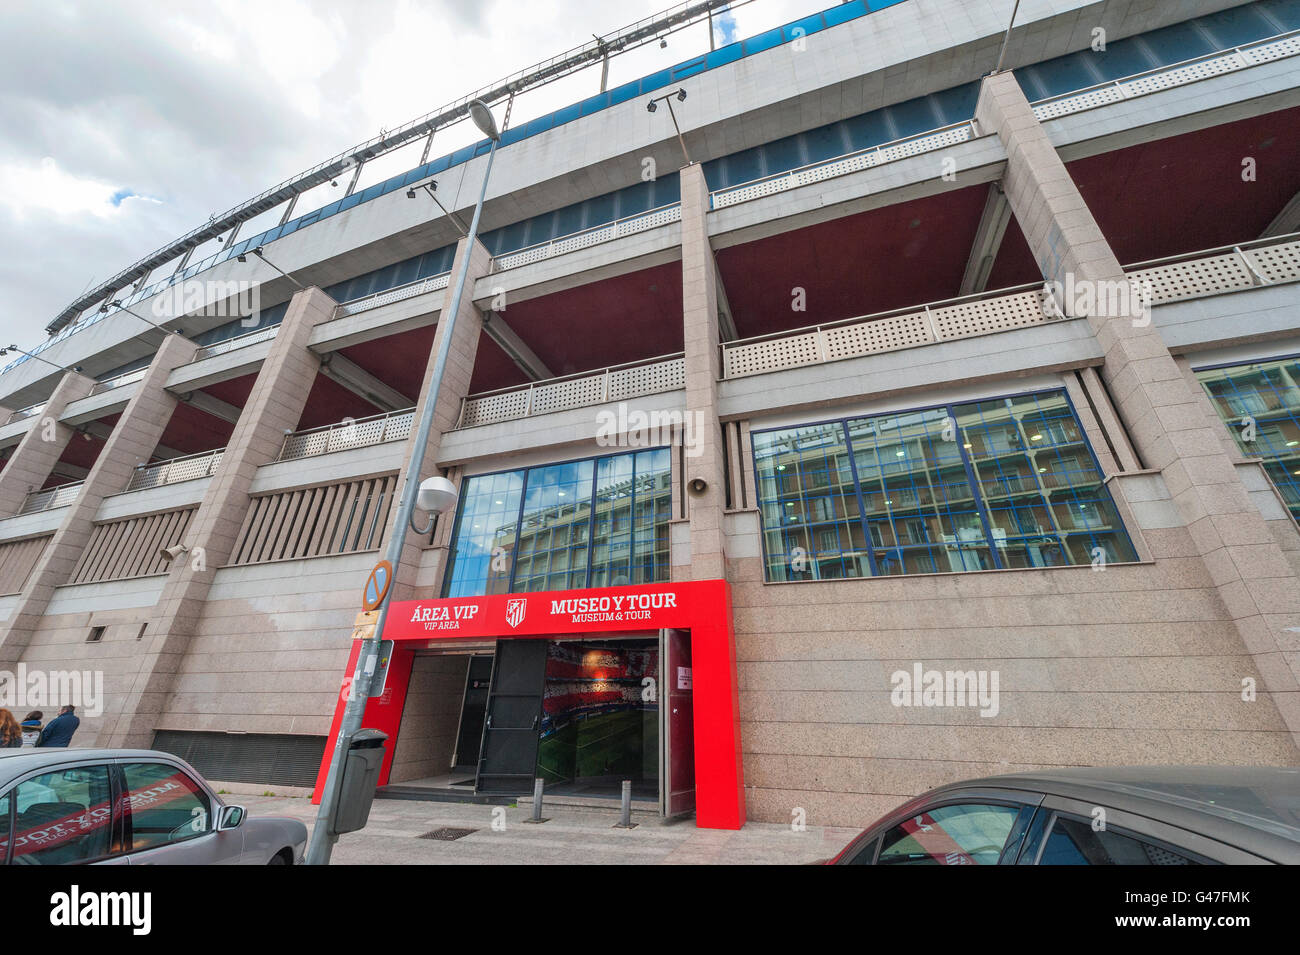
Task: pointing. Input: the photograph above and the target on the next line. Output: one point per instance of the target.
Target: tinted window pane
(1043, 491)
(967, 834)
(164, 805)
(1260, 404)
(482, 549)
(63, 817)
(812, 527)
(1073, 842)
(1004, 483)
(551, 553)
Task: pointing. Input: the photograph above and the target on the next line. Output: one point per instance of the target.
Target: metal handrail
(187, 467)
(239, 341)
(844, 157)
(430, 283)
(119, 381)
(567, 237)
(531, 388)
(27, 412)
(1167, 68)
(48, 499)
(347, 434)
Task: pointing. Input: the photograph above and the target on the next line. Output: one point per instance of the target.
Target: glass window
(483, 545)
(963, 834)
(531, 530)
(1260, 404)
(164, 805)
(551, 553)
(63, 817)
(1042, 488)
(1009, 482)
(812, 526)
(1073, 841)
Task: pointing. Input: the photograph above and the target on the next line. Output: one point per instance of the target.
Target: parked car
(1132, 815)
(128, 806)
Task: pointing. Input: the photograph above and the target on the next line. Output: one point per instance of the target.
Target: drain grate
(447, 834)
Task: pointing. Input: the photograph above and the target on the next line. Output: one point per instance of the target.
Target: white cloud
(29, 190)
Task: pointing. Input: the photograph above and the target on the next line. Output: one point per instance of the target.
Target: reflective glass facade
(599, 522)
(1260, 404)
(1003, 483)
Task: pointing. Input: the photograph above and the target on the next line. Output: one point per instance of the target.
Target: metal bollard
(626, 821)
(538, 782)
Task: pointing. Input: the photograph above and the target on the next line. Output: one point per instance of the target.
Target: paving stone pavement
(571, 836)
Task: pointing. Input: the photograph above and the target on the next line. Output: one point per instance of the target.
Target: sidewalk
(572, 836)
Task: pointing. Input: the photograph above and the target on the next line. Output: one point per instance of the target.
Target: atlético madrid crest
(515, 610)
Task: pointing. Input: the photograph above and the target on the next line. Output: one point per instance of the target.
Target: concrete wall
(427, 739)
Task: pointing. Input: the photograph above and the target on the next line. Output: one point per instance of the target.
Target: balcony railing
(1174, 74)
(28, 412)
(616, 383)
(239, 341)
(358, 433)
(109, 384)
(190, 467)
(628, 225)
(1208, 272)
(50, 498)
(856, 161)
(411, 289)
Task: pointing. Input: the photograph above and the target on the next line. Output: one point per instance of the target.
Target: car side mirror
(230, 817)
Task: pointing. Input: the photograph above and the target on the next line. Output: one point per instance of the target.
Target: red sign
(547, 613)
(702, 607)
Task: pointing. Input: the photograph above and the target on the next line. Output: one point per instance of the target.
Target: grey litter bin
(365, 756)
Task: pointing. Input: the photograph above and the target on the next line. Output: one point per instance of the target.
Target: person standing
(60, 729)
(11, 734)
(32, 726)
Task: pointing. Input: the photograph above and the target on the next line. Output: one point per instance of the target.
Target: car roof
(17, 762)
(1249, 806)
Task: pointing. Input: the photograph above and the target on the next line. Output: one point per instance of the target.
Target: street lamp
(668, 98)
(242, 257)
(8, 348)
(431, 187)
(434, 493)
(122, 308)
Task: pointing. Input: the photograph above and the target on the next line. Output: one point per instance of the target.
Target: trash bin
(365, 756)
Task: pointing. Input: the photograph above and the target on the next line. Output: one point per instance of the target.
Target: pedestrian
(32, 725)
(60, 729)
(11, 734)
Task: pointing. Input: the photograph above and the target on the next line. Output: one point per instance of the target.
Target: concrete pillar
(133, 439)
(275, 404)
(704, 453)
(1165, 418)
(41, 446)
(454, 387)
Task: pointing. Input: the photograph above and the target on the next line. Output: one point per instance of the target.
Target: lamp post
(8, 348)
(680, 96)
(122, 308)
(242, 257)
(434, 494)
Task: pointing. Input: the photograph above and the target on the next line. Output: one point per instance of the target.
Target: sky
(125, 124)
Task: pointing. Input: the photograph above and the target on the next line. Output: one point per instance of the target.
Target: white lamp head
(437, 495)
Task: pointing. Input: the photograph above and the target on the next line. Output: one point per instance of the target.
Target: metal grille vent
(446, 834)
(266, 759)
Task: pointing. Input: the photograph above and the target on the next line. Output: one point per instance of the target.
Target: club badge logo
(515, 610)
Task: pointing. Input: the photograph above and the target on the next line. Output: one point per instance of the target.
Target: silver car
(128, 807)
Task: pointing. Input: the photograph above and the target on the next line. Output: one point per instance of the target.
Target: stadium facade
(933, 420)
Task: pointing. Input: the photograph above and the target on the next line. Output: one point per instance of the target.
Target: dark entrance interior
(600, 718)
